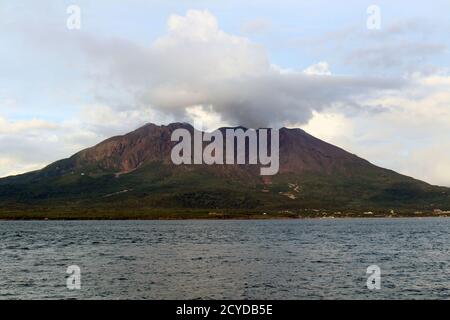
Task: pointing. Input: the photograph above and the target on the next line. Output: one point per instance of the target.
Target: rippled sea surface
(276, 259)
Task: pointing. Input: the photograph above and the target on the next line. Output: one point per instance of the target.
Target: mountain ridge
(134, 172)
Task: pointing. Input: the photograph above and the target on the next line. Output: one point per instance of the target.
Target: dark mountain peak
(138, 166)
(299, 151)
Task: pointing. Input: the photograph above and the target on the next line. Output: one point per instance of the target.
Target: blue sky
(379, 93)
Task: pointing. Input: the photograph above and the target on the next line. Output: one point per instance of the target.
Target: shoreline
(228, 218)
(62, 213)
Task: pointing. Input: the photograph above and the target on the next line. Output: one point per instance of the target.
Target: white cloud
(197, 63)
(410, 135)
(329, 126)
(32, 144)
(20, 126)
(12, 166)
(256, 26)
(105, 121)
(321, 68)
(206, 117)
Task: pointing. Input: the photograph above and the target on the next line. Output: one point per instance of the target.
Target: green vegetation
(159, 191)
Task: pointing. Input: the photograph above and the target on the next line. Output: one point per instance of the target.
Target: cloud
(409, 136)
(406, 55)
(329, 126)
(405, 27)
(32, 144)
(106, 121)
(20, 126)
(206, 118)
(430, 163)
(321, 68)
(398, 48)
(27, 146)
(12, 166)
(256, 26)
(197, 64)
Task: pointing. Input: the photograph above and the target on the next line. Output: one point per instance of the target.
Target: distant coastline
(210, 215)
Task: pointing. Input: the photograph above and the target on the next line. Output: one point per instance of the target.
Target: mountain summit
(134, 172)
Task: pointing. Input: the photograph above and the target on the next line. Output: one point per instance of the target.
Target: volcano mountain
(132, 176)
